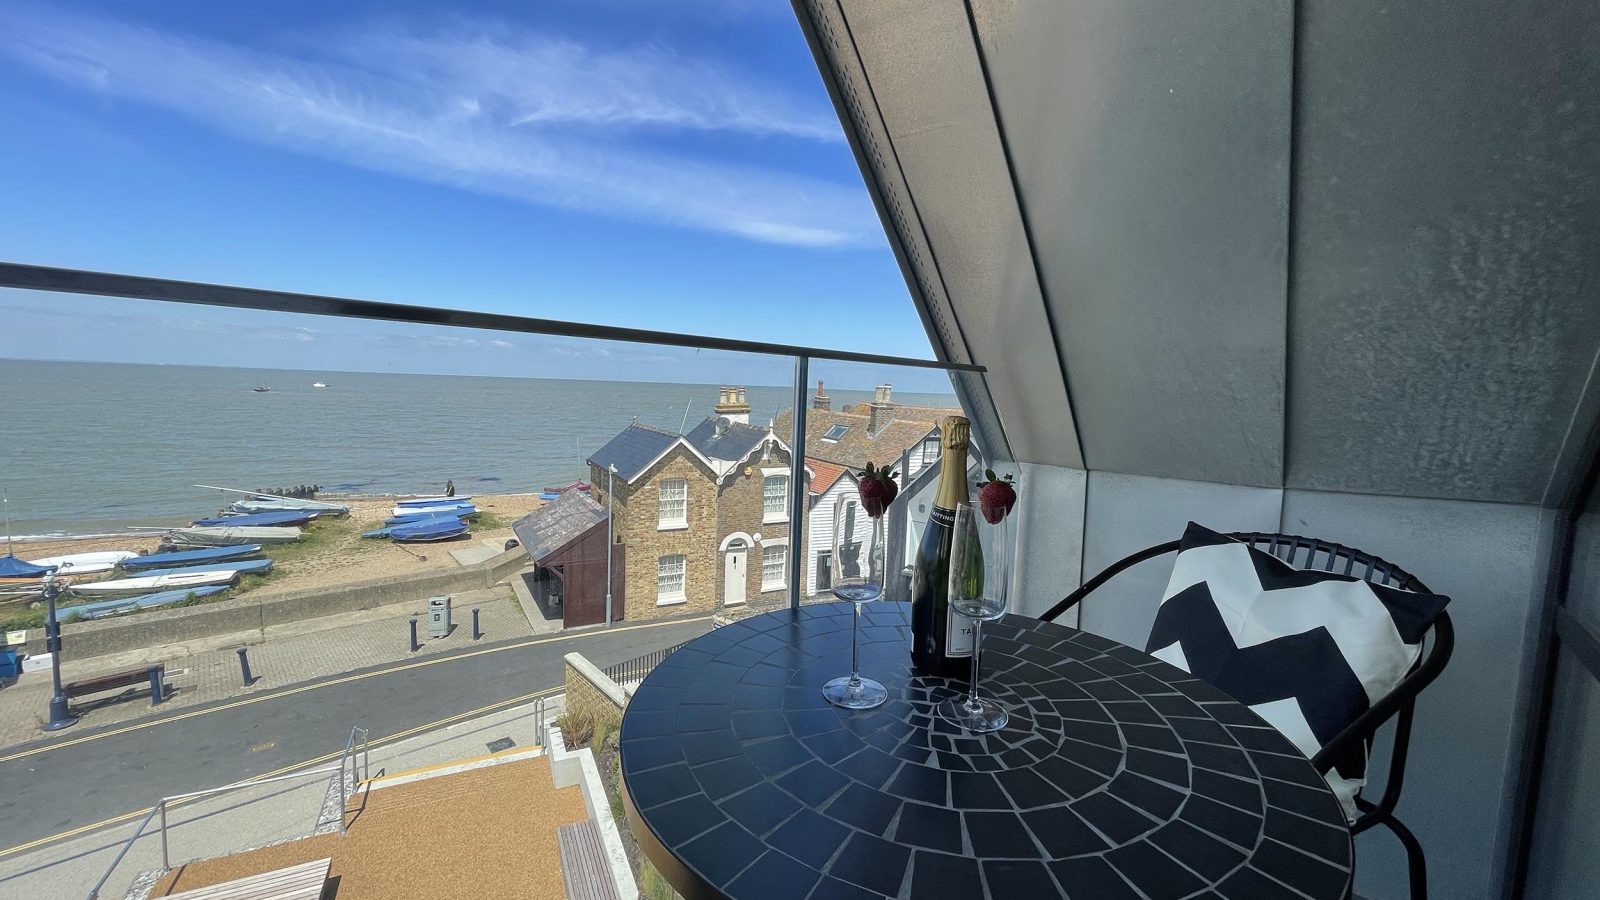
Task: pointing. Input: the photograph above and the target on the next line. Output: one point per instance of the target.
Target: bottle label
(958, 635)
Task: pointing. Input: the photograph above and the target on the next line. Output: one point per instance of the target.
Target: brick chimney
(881, 411)
(821, 400)
(732, 405)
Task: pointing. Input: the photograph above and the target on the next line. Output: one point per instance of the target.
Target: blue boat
(262, 519)
(190, 557)
(242, 566)
(105, 608)
(433, 501)
(425, 532)
(415, 518)
(550, 495)
(11, 567)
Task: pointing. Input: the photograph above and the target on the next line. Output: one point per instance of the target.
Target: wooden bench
(305, 881)
(584, 865)
(154, 675)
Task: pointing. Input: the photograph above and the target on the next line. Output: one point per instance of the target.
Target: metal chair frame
(1400, 704)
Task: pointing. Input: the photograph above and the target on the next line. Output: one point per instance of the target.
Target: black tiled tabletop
(1117, 776)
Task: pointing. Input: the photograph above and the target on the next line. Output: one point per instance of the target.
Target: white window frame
(768, 517)
(834, 440)
(782, 580)
(672, 597)
(663, 522)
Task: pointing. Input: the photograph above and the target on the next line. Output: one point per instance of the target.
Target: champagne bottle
(941, 642)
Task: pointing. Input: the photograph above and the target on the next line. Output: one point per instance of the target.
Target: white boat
(277, 504)
(464, 509)
(149, 583)
(223, 536)
(317, 384)
(85, 563)
(433, 501)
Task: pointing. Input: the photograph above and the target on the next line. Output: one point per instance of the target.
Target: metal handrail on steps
(354, 755)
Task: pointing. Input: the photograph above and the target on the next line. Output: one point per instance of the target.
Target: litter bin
(438, 617)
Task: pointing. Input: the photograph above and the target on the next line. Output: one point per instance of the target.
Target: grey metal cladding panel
(1446, 300)
(924, 71)
(1564, 865)
(1049, 535)
(1127, 513)
(1482, 555)
(1151, 142)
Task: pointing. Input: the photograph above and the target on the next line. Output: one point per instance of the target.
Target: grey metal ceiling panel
(919, 71)
(1445, 305)
(1126, 513)
(1151, 144)
(1481, 555)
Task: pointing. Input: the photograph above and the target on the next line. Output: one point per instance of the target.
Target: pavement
(94, 775)
(250, 817)
(207, 669)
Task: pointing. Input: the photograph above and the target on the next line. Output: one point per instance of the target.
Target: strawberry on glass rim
(996, 497)
(878, 490)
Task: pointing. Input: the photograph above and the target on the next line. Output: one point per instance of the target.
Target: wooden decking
(301, 882)
(584, 866)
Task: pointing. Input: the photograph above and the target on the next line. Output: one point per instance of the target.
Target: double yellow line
(375, 742)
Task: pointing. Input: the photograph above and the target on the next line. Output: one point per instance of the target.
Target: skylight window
(835, 433)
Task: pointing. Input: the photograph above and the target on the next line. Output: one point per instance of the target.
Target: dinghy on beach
(458, 509)
(103, 608)
(242, 566)
(275, 517)
(223, 536)
(427, 532)
(183, 558)
(147, 584)
(435, 501)
(86, 563)
(279, 504)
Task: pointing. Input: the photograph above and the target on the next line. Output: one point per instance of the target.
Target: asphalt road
(73, 782)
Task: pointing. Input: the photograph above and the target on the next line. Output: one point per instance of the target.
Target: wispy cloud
(482, 107)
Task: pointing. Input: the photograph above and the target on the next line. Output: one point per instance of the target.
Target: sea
(94, 448)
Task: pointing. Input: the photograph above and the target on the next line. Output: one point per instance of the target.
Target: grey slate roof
(632, 450)
(739, 439)
(548, 529)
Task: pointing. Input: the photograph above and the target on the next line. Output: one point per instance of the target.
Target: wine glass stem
(977, 647)
(855, 630)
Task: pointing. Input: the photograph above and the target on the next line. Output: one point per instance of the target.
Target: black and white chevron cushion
(1307, 651)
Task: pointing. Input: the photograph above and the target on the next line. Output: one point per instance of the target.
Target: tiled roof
(855, 448)
(548, 529)
(632, 450)
(731, 446)
(823, 474)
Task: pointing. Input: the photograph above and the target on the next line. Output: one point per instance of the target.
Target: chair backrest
(1313, 553)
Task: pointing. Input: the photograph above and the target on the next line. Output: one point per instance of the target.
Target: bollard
(476, 632)
(158, 687)
(244, 668)
(414, 645)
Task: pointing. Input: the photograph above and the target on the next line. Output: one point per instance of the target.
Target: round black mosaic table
(1118, 776)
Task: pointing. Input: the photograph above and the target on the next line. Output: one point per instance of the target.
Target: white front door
(733, 575)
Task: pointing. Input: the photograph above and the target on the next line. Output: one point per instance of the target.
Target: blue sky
(667, 166)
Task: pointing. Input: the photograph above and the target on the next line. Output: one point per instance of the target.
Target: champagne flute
(981, 599)
(858, 577)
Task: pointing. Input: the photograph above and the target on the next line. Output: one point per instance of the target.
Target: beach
(332, 552)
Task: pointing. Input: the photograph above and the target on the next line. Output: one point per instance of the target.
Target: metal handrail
(540, 733)
(139, 287)
(348, 754)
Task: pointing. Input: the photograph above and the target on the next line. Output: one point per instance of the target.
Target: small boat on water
(224, 536)
(147, 584)
(184, 558)
(434, 501)
(427, 532)
(103, 608)
(273, 517)
(318, 384)
(458, 509)
(86, 563)
(242, 566)
(261, 389)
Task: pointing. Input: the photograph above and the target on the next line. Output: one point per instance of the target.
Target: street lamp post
(59, 716)
(610, 541)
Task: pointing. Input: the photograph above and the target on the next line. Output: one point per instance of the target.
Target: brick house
(704, 516)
